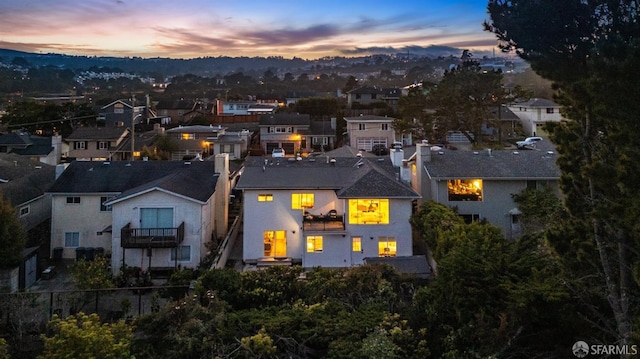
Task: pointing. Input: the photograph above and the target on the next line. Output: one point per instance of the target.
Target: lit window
(301, 200)
(368, 211)
(275, 243)
(188, 136)
(265, 197)
(314, 244)
(356, 244)
(73, 200)
(465, 190)
(184, 253)
(72, 239)
(387, 246)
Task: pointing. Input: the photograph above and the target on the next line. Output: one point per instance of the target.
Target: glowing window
(302, 200)
(265, 197)
(314, 244)
(275, 243)
(188, 136)
(356, 244)
(465, 190)
(368, 211)
(387, 246)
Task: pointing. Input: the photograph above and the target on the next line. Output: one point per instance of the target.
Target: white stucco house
(324, 211)
(155, 215)
(533, 114)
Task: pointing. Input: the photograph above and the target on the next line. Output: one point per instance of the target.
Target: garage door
(367, 143)
(289, 148)
(271, 146)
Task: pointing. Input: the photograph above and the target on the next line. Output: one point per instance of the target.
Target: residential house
(208, 141)
(367, 95)
(100, 144)
(321, 136)
(245, 108)
(121, 113)
(283, 131)
(363, 132)
(156, 215)
(535, 113)
(180, 111)
(23, 183)
(480, 184)
(324, 211)
(45, 149)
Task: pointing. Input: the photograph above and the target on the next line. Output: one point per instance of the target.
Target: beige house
(533, 114)
(99, 144)
(363, 132)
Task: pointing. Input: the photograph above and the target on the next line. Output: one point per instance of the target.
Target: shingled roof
(501, 164)
(350, 177)
(195, 180)
(22, 179)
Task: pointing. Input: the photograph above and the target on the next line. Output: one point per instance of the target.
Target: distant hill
(221, 65)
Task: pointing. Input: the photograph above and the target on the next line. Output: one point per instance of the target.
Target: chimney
(405, 172)
(221, 196)
(397, 156)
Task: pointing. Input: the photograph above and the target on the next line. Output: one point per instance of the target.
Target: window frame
(104, 208)
(73, 200)
(75, 236)
(456, 187)
(315, 244)
(390, 246)
(356, 244)
(265, 197)
(181, 254)
(25, 211)
(303, 198)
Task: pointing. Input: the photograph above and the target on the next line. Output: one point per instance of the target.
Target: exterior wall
(496, 201)
(373, 130)
(91, 151)
(278, 215)
(280, 138)
(197, 230)
(532, 118)
(337, 245)
(84, 218)
(39, 211)
(337, 249)
(238, 148)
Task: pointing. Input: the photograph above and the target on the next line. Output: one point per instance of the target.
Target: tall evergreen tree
(589, 49)
(12, 236)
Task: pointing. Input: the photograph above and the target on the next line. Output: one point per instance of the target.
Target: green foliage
(83, 336)
(95, 274)
(259, 345)
(4, 350)
(181, 277)
(433, 221)
(12, 236)
(165, 146)
(539, 207)
(317, 108)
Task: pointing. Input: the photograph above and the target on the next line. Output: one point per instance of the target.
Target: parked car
(379, 150)
(277, 152)
(529, 141)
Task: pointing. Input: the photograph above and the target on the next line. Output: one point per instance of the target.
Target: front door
(275, 243)
(357, 252)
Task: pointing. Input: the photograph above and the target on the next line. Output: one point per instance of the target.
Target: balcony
(331, 221)
(151, 237)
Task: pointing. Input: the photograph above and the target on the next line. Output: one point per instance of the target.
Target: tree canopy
(12, 236)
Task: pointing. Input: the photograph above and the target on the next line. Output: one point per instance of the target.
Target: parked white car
(277, 152)
(528, 142)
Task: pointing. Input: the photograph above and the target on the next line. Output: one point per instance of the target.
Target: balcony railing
(323, 222)
(151, 237)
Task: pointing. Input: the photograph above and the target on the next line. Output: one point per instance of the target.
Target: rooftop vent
(187, 162)
(333, 161)
(516, 152)
(106, 163)
(312, 159)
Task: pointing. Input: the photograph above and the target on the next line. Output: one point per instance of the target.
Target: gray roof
(27, 179)
(372, 178)
(536, 102)
(416, 265)
(285, 119)
(195, 180)
(97, 133)
(501, 164)
(371, 118)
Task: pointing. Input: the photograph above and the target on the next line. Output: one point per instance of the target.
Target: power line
(52, 121)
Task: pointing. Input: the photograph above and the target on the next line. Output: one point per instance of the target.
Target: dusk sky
(200, 28)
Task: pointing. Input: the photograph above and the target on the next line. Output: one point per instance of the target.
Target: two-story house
(283, 131)
(121, 113)
(149, 214)
(245, 108)
(367, 95)
(535, 113)
(180, 111)
(480, 184)
(100, 144)
(364, 132)
(324, 211)
(208, 140)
